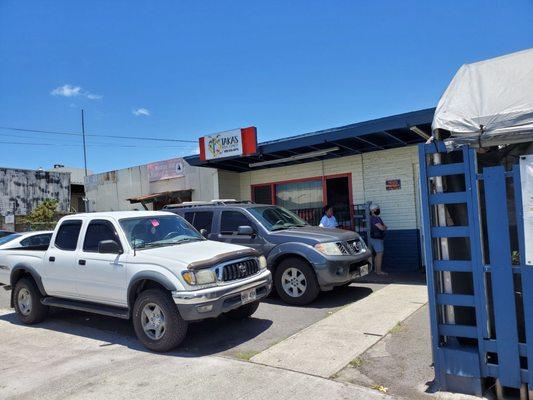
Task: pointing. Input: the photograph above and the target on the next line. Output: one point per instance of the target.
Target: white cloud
(66, 91)
(141, 111)
(74, 91)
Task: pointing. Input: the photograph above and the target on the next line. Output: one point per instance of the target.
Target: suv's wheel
(296, 282)
(157, 321)
(244, 311)
(27, 301)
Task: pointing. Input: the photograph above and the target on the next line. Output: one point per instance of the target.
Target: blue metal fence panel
(527, 273)
(502, 276)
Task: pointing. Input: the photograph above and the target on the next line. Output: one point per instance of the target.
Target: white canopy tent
(489, 103)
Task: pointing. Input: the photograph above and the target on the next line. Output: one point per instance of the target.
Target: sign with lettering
(393, 184)
(167, 169)
(526, 178)
(234, 143)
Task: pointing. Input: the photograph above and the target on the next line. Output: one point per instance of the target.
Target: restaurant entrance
(307, 197)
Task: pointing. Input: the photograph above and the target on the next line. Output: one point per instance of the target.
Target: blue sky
(198, 67)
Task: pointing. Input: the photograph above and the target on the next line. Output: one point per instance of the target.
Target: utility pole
(85, 199)
(84, 147)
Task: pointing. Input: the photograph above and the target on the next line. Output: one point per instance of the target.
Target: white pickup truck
(152, 267)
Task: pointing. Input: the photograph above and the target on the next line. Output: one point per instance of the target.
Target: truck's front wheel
(27, 302)
(157, 321)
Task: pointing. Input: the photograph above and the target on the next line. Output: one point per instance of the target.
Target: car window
(67, 235)
(157, 230)
(231, 220)
(37, 240)
(9, 238)
(189, 216)
(97, 231)
(200, 220)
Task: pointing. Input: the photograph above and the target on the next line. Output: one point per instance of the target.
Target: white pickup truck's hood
(179, 256)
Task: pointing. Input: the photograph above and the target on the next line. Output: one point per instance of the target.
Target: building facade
(150, 186)
(22, 190)
(346, 167)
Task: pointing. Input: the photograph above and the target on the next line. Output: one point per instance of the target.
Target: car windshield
(9, 238)
(276, 218)
(158, 231)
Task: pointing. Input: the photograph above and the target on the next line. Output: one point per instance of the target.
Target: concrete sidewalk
(329, 345)
(47, 361)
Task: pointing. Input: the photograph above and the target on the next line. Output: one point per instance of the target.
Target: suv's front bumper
(338, 270)
(213, 301)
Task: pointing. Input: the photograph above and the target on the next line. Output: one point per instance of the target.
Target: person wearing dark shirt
(378, 230)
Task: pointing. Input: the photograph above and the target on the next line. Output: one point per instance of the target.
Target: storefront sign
(234, 143)
(167, 169)
(526, 178)
(393, 184)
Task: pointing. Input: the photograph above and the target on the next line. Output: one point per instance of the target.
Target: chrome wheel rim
(293, 282)
(153, 321)
(24, 301)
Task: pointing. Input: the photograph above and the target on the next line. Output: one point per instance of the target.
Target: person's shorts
(377, 245)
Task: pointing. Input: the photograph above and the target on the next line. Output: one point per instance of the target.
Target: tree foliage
(44, 216)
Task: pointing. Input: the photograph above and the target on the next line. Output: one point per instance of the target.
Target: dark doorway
(338, 195)
(262, 194)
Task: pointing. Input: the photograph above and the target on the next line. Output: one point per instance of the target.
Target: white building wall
(109, 191)
(229, 185)
(369, 173)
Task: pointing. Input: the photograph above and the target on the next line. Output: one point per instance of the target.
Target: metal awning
(150, 198)
(379, 134)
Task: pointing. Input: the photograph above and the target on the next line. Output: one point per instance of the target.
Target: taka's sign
(167, 169)
(234, 143)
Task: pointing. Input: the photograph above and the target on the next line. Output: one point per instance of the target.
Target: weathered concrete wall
(108, 191)
(23, 190)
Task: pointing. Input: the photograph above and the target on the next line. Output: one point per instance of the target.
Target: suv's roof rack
(215, 202)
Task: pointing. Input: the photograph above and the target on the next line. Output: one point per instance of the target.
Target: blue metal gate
(480, 290)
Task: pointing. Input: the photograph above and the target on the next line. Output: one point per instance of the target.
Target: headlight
(201, 277)
(262, 262)
(329, 249)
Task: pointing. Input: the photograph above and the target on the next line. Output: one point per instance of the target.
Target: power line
(89, 145)
(96, 135)
(90, 142)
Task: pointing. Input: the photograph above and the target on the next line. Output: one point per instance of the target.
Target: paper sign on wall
(526, 178)
(167, 169)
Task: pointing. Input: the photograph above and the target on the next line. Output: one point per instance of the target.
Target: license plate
(248, 296)
(363, 270)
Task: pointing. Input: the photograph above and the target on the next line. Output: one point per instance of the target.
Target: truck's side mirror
(246, 230)
(204, 232)
(109, 247)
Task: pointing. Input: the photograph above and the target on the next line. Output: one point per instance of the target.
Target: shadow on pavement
(203, 338)
(399, 278)
(208, 337)
(338, 297)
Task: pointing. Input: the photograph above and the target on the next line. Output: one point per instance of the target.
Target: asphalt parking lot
(273, 322)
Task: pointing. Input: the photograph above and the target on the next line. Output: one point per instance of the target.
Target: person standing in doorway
(378, 230)
(328, 220)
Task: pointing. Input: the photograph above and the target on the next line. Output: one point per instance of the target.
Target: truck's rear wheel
(157, 322)
(27, 301)
(296, 282)
(244, 311)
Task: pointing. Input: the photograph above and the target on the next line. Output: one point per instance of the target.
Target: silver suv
(303, 259)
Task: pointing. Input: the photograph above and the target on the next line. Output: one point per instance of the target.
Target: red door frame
(323, 179)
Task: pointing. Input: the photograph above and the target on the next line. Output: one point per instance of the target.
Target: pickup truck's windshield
(276, 218)
(158, 231)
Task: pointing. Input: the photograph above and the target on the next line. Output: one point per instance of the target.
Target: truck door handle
(82, 262)
(51, 259)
